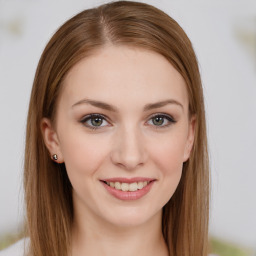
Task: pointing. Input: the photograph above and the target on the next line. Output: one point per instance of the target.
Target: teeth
(128, 187)
(125, 186)
(133, 186)
(140, 185)
(117, 185)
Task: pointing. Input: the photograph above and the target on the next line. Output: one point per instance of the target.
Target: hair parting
(48, 192)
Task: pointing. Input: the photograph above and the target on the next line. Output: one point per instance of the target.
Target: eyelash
(87, 118)
(170, 120)
(90, 117)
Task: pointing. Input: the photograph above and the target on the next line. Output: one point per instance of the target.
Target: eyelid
(170, 119)
(168, 116)
(90, 116)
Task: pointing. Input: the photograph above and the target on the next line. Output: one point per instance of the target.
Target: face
(123, 131)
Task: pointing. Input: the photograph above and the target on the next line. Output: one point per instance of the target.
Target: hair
(48, 192)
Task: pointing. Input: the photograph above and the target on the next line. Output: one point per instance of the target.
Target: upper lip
(128, 180)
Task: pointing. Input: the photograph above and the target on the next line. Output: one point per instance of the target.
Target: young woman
(116, 153)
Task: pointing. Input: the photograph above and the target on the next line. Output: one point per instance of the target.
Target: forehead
(124, 75)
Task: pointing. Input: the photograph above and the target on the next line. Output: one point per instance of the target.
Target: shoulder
(17, 249)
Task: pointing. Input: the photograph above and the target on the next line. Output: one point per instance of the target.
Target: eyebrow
(162, 104)
(98, 104)
(111, 108)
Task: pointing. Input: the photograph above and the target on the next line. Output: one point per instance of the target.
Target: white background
(224, 37)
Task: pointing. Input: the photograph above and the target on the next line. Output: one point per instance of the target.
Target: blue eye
(161, 120)
(94, 121)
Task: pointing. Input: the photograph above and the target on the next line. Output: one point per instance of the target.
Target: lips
(128, 189)
(128, 186)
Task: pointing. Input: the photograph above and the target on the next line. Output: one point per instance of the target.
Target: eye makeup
(99, 121)
(94, 121)
(161, 120)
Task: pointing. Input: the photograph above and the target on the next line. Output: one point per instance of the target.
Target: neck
(94, 237)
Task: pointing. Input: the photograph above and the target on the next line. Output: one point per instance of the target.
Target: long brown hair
(48, 192)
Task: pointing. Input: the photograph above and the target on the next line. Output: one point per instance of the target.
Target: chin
(131, 217)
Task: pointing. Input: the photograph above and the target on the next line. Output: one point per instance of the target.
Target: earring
(54, 157)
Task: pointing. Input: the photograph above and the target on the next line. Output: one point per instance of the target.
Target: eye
(94, 121)
(161, 120)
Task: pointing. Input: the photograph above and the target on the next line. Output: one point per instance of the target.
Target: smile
(128, 189)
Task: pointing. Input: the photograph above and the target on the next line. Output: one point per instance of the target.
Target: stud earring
(54, 157)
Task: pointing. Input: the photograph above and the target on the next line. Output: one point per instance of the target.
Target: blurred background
(224, 37)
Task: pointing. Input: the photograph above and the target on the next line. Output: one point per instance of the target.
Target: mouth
(128, 189)
(127, 186)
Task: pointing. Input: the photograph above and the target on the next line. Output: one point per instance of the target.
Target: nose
(128, 149)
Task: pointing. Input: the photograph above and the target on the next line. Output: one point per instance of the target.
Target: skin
(128, 143)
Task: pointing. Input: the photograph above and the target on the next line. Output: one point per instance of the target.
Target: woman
(116, 152)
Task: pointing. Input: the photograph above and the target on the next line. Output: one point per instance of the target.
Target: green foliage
(218, 247)
(7, 240)
(10, 238)
(222, 248)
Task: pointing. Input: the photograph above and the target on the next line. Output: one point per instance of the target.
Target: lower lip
(128, 195)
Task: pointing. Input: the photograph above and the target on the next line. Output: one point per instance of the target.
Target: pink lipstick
(128, 188)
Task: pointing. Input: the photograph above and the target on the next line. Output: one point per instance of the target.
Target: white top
(17, 249)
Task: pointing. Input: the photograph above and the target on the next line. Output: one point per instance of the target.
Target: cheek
(168, 154)
(83, 154)
(168, 160)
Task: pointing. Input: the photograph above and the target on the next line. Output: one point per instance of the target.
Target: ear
(190, 138)
(51, 139)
